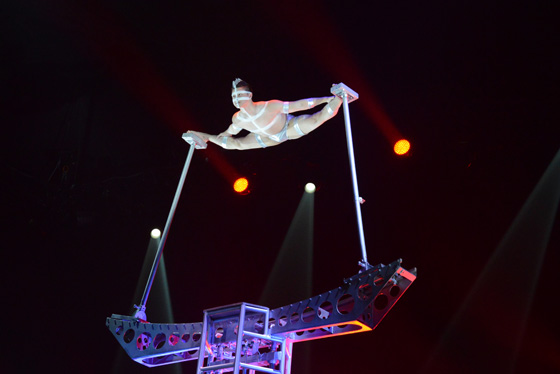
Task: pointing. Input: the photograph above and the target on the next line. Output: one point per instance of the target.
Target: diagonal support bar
(195, 142)
(348, 95)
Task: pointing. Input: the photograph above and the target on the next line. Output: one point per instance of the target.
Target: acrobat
(270, 123)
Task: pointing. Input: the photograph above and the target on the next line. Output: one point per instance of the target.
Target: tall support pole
(195, 142)
(347, 96)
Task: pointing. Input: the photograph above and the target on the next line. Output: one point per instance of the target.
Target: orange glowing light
(240, 185)
(402, 147)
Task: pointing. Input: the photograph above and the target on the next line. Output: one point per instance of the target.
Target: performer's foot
(333, 106)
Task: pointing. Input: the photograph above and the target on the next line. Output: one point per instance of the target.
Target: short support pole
(195, 142)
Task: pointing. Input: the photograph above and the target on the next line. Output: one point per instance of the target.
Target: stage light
(241, 185)
(155, 234)
(309, 188)
(402, 147)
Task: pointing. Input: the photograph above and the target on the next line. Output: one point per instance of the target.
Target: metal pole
(287, 359)
(240, 333)
(357, 198)
(141, 309)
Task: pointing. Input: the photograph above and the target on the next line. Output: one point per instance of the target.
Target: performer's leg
(304, 124)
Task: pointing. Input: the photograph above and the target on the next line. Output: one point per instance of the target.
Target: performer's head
(240, 91)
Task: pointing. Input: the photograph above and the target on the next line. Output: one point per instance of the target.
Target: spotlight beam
(497, 306)
(336, 59)
(117, 49)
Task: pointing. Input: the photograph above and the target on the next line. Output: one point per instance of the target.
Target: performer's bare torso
(272, 112)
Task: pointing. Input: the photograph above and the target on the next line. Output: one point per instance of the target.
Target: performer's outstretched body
(270, 122)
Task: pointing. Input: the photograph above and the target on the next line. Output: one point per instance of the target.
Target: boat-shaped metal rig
(250, 338)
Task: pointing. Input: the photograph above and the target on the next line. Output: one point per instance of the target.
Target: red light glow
(240, 185)
(402, 147)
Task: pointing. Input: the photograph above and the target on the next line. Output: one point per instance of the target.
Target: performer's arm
(241, 143)
(231, 130)
(250, 141)
(299, 105)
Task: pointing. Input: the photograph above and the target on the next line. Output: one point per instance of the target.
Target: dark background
(96, 96)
